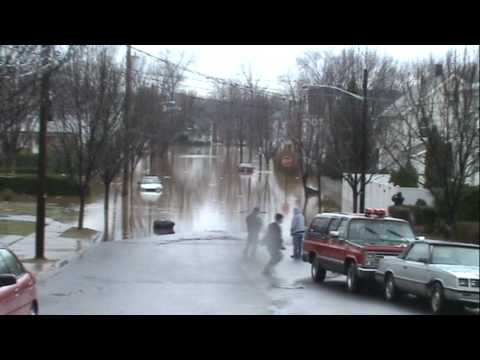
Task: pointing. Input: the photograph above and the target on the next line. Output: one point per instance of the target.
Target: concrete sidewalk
(59, 250)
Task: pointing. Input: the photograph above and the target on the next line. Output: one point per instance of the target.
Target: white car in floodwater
(151, 184)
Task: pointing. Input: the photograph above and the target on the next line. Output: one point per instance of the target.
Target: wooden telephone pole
(364, 161)
(42, 154)
(126, 167)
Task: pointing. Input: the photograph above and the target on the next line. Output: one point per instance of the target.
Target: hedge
(27, 184)
(420, 215)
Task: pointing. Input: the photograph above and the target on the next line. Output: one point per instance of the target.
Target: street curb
(54, 268)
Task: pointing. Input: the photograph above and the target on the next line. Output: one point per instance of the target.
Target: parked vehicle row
(444, 272)
(18, 294)
(371, 246)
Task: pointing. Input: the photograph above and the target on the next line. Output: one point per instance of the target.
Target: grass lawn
(76, 233)
(13, 227)
(56, 212)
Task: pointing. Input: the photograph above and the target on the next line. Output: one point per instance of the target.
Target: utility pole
(364, 160)
(42, 154)
(126, 166)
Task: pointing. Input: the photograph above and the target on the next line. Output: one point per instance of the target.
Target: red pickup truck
(353, 244)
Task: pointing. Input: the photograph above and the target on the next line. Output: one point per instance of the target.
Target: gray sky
(268, 62)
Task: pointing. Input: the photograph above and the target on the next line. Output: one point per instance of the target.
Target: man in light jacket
(297, 230)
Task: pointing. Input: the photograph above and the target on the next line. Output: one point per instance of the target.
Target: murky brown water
(203, 191)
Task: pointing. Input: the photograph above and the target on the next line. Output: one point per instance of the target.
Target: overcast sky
(268, 62)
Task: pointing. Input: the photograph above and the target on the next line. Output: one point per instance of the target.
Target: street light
(356, 96)
(364, 129)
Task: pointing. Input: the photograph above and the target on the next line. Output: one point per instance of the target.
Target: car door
(8, 294)
(337, 246)
(415, 268)
(25, 284)
(318, 234)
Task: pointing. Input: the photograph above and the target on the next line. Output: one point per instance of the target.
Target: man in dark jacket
(274, 243)
(254, 225)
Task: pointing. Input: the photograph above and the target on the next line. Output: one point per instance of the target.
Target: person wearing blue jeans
(297, 230)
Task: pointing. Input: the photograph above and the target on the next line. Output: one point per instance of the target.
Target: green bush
(26, 160)
(7, 194)
(424, 215)
(27, 184)
(468, 231)
(468, 209)
(405, 177)
(421, 202)
(400, 212)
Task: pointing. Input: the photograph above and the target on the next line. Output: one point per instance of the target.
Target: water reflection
(203, 191)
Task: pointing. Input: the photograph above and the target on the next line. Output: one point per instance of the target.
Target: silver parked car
(443, 272)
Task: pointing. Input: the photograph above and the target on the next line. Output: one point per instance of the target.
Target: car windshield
(375, 231)
(151, 180)
(455, 255)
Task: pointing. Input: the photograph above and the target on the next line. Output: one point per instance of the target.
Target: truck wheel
(391, 293)
(437, 299)
(353, 283)
(318, 273)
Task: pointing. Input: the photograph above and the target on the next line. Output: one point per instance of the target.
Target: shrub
(405, 177)
(400, 212)
(421, 202)
(7, 194)
(27, 184)
(468, 231)
(468, 209)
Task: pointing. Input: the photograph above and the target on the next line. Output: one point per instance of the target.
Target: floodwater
(202, 191)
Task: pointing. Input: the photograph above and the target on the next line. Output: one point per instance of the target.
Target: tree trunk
(305, 194)
(355, 199)
(250, 154)
(319, 184)
(105, 210)
(267, 163)
(82, 206)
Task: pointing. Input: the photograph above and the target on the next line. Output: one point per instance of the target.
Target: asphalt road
(199, 276)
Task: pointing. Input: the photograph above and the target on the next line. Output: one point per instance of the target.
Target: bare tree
(86, 104)
(18, 97)
(343, 113)
(440, 108)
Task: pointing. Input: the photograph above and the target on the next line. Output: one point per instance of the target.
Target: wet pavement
(59, 250)
(199, 275)
(200, 269)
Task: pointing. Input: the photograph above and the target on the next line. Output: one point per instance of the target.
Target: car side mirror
(334, 234)
(7, 280)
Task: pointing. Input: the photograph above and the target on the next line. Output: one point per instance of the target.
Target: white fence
(379, 192)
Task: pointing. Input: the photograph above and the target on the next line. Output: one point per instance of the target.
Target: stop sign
(287, 161)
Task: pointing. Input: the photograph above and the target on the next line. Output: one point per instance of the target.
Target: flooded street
(202, 191)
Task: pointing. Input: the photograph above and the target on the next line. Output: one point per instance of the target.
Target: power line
(218, 80)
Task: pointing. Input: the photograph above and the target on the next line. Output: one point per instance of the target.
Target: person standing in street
(274, 242)
(254, 225)
(297, 230)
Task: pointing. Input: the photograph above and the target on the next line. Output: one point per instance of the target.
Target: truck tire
(318, 273)
(353, 282)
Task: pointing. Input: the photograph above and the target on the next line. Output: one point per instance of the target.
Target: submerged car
(18, 294)
(444, 272)
(151, 184)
